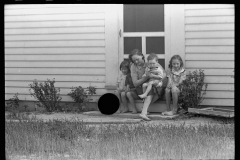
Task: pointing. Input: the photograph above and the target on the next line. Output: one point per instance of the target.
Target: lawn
(76, 140)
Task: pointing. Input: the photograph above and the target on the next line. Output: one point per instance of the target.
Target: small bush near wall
(47, 95)
(192, 90)
(12, 103)
(81, 96)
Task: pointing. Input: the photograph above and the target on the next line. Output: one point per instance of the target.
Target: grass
(77, 140)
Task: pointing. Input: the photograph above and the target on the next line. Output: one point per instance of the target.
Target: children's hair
(135, 52)
(175, 57)
(152, 56)
(125, 64)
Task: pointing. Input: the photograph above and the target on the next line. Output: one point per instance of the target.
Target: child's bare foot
(169, 113)
(125, 110)
(144, 117)
(142, 96)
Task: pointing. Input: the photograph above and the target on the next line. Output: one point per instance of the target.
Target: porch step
(129, 115)
(156, 107)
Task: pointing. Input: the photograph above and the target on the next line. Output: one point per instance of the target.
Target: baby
(155, 69)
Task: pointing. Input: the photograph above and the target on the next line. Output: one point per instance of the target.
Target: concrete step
(157, 107)
(152, 116)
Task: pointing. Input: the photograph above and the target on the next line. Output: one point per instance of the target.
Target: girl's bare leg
(118, 94)
(146, 104)
(175, 92)
(124, 100)
(144, 95)
(168, 98)
(131, 96)
(144, 86)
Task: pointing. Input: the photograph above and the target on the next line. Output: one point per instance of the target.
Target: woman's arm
(137, 82)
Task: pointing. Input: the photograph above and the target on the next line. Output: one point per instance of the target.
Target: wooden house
(83, 44)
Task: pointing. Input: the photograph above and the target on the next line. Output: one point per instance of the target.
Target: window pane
(162, 62)
(155, 45)
(131, 43)
(143, 18)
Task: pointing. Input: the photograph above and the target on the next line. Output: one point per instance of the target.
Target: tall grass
(82, 141)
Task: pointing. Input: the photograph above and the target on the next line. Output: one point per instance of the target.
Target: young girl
(124, 84)
(176, 75)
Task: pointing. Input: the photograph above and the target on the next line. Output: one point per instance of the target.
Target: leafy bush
(47, 95)
(81, 96)
(191, 90)
(12, 103)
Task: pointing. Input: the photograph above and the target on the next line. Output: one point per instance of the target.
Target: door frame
(174, 33)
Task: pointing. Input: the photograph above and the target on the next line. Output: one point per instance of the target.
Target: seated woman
(137, 70)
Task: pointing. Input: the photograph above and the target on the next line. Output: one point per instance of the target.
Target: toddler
(156, 71)
(124, 84)
(176, 75)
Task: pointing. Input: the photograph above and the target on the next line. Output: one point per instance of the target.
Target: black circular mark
(108, 103)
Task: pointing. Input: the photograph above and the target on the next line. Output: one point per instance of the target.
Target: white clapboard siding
(56, 57)
(209, 42)
(53, 41)
(62, 71)
(55, 37)
(65, 98)
(215, 72)
(213, 19)
(61, 84)
(210, 45)
(54, 17)
(70, 10)
(58, 50)
(209, 12)
(210, 49)
(208, 57)
(58, 64)
(209, 64)
(65, 30)
(83, 43)
(55, 24)
(86, 78)
(207, 34)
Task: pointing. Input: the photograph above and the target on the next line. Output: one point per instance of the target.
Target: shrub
(12, 103)
(47, 95)
(191, 90)
(81, 96)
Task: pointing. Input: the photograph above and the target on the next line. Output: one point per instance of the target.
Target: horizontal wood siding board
(65, 98)
(207, 6)
(36, 31)
(213, 72)
(220, 87)
(57, 17)
(54, 64)
(55, 37)
(211, 34)
(63, 71)
(210, 12)
(63, 91)
(210, 49)
(84, 43)
(210, 64)
(50, 6)
(66, 10)
(65, 84)
(71, 50)
(209, 20)
(219, 94)
(210, 42)
(93, 78)
(206, 56)
(219, 79)
(54, 24)
(210, 27)
(218, 102)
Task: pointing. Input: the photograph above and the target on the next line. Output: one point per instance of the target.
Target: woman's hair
(135, 52)
(125, 64)
(152, 56)
(175, 57)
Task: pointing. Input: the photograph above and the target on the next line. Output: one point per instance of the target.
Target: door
(142, 27)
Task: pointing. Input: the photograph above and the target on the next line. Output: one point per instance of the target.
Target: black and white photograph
(119, 81)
